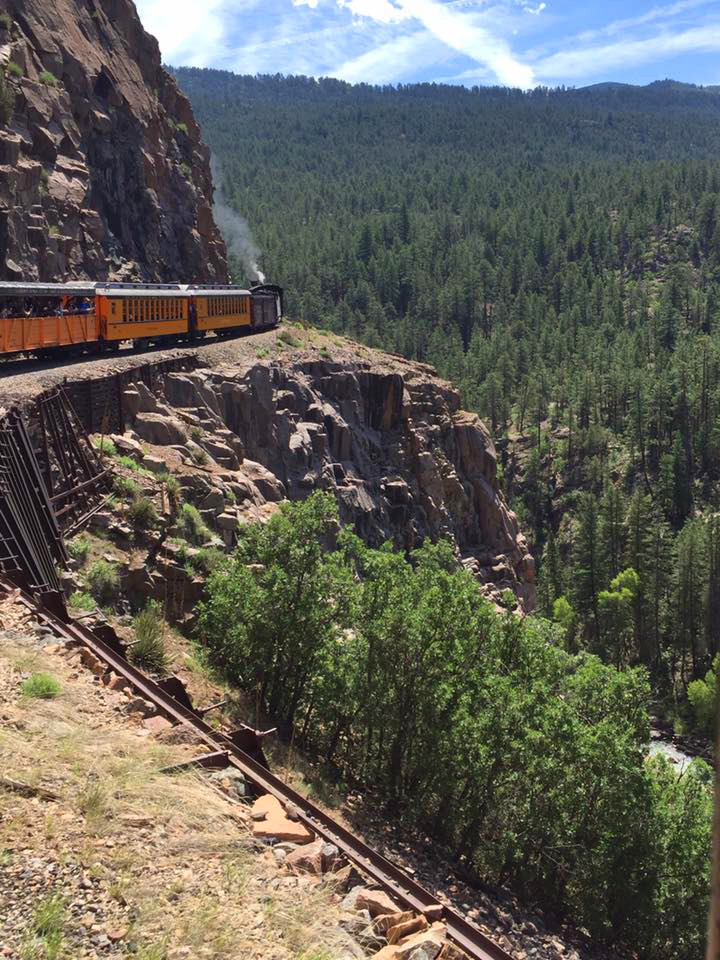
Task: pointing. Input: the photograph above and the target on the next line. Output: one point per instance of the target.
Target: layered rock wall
(404, 462)
(102, 170)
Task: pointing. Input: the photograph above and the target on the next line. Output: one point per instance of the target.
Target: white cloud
(382, 11)
(189, 32)
(584, 61)
(389, 62)
(305, 3)
(467, 33)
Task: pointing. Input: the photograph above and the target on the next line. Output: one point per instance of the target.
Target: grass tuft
(103, 581)
(79, 549)
(40, 686)
(149, 651)
(48, 79)
(193, 525)
(126, 487)
(45, 939)
(142, 514)
(80, 600)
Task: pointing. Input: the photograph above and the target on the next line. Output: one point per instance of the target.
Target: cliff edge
(102, 170)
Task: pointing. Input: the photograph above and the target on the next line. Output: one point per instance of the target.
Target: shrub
(149, 650)
(79, 549)
(142, 514)
(172, 486)
(131, 464)
(126, 487)
(196, 434)
(48, 79)
(82, 601)
(200, 457)
(478, 726)
(40, 686)
(285, 336)
(7, 100)
(103, 581)
(5, 22)
(205, 560)
(193, 525)
(104, 444)
(182, 128)
(703, 698)
(14, 69)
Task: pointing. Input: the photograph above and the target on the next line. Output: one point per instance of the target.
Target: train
(48, 320)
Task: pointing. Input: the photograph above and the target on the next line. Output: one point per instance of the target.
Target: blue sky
(511, 42)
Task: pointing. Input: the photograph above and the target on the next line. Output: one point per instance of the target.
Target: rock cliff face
(102, 170)
(388, 439)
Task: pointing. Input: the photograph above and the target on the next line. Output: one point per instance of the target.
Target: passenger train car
(48, 319)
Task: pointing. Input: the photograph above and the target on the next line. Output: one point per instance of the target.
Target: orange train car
(51, 319)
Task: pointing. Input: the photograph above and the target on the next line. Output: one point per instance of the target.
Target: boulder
(160, 430)
(377, 902)
(272, 822)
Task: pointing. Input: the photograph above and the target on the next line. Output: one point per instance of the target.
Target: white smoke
(235, 229)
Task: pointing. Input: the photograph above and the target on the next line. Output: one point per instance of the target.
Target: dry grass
(170, 856)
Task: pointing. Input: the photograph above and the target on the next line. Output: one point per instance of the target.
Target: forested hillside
(557, 255)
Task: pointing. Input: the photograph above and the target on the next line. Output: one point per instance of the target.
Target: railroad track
(395, 881)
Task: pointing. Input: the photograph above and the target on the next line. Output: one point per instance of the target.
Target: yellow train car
(221, 309)
(46, 319)
(143, 313)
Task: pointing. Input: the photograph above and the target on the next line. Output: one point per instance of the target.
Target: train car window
(124, 311)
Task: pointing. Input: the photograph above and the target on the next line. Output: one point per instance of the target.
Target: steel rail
(395, 881)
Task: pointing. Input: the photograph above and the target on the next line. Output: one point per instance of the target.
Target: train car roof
(76, 288)
(83, 288)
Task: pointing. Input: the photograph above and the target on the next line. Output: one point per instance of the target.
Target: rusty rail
(386, 874)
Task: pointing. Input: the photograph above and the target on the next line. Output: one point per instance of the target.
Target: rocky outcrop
(102, 170)
(404, 462)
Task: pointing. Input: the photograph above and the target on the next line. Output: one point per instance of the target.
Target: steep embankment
(281, 415)
(102, 169)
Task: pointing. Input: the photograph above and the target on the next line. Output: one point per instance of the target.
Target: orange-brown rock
(385, 921)
(102, 169)
(406, 928)
(275, 824)
(376, 902)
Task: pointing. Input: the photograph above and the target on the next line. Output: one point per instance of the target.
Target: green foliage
(569, 285)
(5, 20)
(205, 560)
(286, 336)
(40, 686)
(103, 581)
(479, 727)
(45, 938)
(703, 699)
(182, 128)
(193, 525)
(7, 100)
(199, 457)
(126, 487)
(150, 628)
(79, 549)
(196, 434)
(142, 514)
(14, 69)
(131, 464)
(48, 79)
(105, 445)
(80, 600)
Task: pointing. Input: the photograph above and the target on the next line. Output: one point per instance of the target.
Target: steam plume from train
(234, 228)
